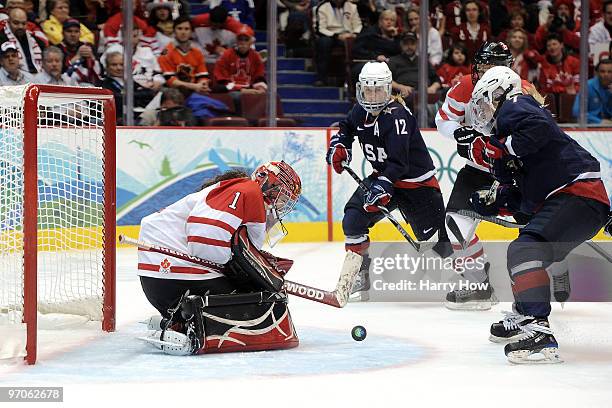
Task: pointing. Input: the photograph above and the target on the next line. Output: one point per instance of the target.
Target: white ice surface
(415, 354)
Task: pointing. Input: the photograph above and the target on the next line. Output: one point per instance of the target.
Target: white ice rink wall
(156, 166)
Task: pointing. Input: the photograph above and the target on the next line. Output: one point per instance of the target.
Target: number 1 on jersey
(233, 204)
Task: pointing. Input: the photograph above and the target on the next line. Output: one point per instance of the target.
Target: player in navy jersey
(554, 183)
(404, 174)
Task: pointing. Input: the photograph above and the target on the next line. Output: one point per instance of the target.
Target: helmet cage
(372, 95)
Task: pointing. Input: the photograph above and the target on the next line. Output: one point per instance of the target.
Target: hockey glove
(471, 145)
(338, 155)
(505, 166)
(504, 200)
(379, 195)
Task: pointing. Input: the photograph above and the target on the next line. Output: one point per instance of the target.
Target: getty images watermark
(400, 274)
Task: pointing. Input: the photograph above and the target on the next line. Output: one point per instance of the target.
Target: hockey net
(57, 221)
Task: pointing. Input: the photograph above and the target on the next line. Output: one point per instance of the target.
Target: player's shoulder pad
(241, 196)
(462, 90)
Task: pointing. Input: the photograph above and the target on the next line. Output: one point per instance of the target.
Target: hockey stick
(337, 298)
(509, 224)
(384, 210)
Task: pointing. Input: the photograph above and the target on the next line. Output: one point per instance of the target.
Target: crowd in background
(543, 36)
(186, 68)
(190, 67)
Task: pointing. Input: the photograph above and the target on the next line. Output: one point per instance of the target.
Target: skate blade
(549, 355)
(503, 340)
(359, 297)
(474, 305)
(168, 347)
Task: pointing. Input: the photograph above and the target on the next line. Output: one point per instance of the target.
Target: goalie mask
(374, 86)
(496, 86)
(281, 187)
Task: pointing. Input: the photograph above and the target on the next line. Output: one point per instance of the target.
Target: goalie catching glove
(253, 269)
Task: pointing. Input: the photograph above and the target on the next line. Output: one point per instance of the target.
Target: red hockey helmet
(281, 186)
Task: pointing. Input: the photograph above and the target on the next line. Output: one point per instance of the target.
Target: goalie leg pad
(257, 321)
(250, 268)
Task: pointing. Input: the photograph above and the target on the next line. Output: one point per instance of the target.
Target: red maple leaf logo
(165, 264)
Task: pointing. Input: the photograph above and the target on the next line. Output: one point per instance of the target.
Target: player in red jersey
(225, 223)
(451, 121)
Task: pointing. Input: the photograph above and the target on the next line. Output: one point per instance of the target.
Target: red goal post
(57, 207)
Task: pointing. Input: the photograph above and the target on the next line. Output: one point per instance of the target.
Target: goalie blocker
(255, 319)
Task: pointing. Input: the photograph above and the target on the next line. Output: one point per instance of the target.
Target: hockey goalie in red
(236, 301)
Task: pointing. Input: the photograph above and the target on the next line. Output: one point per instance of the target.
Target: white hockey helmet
(496, 86)
(374, 86)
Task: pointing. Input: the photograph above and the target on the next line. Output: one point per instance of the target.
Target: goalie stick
(509, 224)
(337, 298)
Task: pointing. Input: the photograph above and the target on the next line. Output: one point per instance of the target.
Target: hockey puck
(359, 333)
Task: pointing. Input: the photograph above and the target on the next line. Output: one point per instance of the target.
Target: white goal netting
(70, 161)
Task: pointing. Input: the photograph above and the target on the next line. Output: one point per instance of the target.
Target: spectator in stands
(599, 104)
(434, 41)
(240, 69)
(92, 13)
(182, 63)
(54, 25)
(294, 23)
(379, 42)
(53, 60)
(336, 21)
(113, 81)
(112, 31)
(524, 63)
(455, 67)
(10, 73)
(216, 37)
(146, 73)
(160, 18)
(32, 24)
(8, 5)
(600, 33)
(517, 21)
(437, 17)
(29, 47)
(559, 72)
(241, 10)
(173, 111)
(474, 30)
(560, 21)
(405, 69)
(453, 11)
(80, 60)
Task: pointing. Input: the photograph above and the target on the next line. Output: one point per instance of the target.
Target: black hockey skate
(561, 287)
(359, 293)
(468, 299)
(538, 347)
(509, 328)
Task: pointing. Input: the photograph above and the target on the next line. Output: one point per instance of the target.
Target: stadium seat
(230, 121)
(226, 99)
(551, 103)
(254, 106)
(566, 103)
(280, 122)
